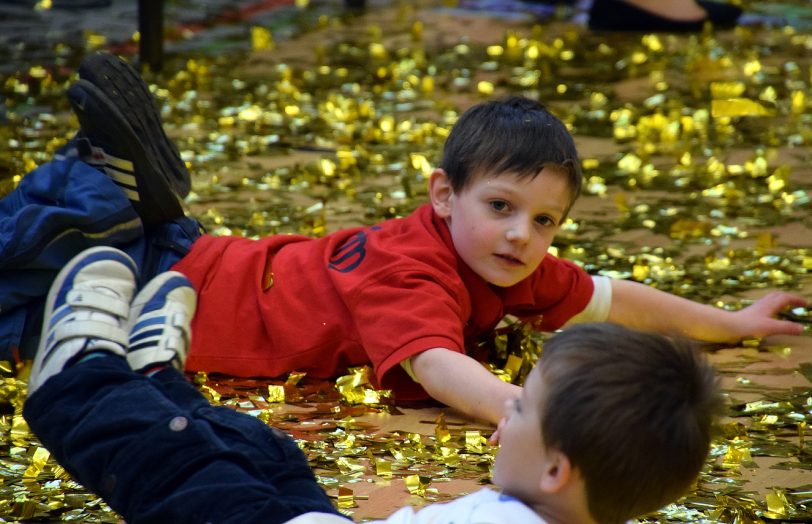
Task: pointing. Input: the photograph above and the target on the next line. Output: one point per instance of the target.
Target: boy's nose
(518, 232)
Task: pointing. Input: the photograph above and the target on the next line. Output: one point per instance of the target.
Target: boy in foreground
(610, 424)
(407, 296)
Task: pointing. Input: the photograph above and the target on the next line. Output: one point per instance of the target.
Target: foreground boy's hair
(632, 411)
(515, 135)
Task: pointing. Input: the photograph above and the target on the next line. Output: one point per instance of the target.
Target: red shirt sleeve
(557, 291)
(402, 314)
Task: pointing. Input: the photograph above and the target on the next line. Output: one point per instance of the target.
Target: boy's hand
(758, 319)
(494, 440)
(643, 307)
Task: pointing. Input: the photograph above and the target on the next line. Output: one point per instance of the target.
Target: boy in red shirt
(406, 295)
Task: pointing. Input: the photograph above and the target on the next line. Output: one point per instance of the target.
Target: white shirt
(485, 506)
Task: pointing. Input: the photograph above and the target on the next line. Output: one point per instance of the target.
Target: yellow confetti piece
(261, 39)
(276, 393)
(383, 468)
(417, 485)
(777, 502)
(726, 90)
(441, 432)
(294, 378)
(213, 395)
(475, 442)
(738, 107)
(485, 88)
(513, 366)
(737, 454)
(346, 498)
(38, 461)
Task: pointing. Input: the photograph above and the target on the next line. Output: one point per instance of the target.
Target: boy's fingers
(787, 327)
(775, 302)
(494, 440)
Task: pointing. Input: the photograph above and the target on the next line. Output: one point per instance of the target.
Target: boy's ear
(557, 472)
(440, 192)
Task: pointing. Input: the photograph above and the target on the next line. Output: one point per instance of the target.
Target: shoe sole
(137, 172)
(122, 84)
(58, 290)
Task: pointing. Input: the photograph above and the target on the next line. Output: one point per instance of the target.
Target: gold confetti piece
(475, 442)
(346, 498)
(294, 378)
(513, 366)
(769, 420)
(777, 502)
(383, 468)
(261, 39)
(417, 485)
(441, 432)
(737, 455)
(210, 393)
(38, 461)
(738, 107)
(276, 393)
(349, 465)
(485, 88)
(726, 90)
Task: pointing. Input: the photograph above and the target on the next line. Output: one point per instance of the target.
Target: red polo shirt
(376, 295)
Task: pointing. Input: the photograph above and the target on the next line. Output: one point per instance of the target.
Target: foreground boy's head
(611, 424)
(509, 176)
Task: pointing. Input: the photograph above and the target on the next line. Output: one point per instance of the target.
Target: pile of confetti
(696, 153)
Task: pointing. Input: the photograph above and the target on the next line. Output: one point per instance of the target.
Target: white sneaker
(160, 319)
(86, 311)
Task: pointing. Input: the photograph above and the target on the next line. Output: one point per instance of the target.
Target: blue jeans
(157, 451)
(58, 210)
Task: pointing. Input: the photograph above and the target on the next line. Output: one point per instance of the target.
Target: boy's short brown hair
(515, 135)
(632, 411)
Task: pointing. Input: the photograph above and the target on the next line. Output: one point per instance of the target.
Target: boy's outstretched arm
(643, 307)
(462, 383)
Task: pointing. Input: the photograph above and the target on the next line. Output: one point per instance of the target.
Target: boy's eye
(498, 205)
(545, 221)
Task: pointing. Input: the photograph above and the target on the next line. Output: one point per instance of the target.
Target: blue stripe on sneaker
(147, 322)
(158, 299)
(59, 314)
(145, 345)
(141, 335)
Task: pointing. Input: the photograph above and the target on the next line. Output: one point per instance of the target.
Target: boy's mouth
(510, 260)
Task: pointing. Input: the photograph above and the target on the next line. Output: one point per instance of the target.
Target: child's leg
(119, 182)
(153, 461)
(159, 334)
(264, 446)
(119, 433)
(58, 210)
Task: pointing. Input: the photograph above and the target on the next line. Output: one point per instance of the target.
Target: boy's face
(503, 225)
(520, 463)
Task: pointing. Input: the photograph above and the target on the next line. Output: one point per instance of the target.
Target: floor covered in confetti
(301, 117)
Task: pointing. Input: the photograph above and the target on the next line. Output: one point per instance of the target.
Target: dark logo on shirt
(351, 253)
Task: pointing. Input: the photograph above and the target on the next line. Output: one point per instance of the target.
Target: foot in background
(661, 16)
